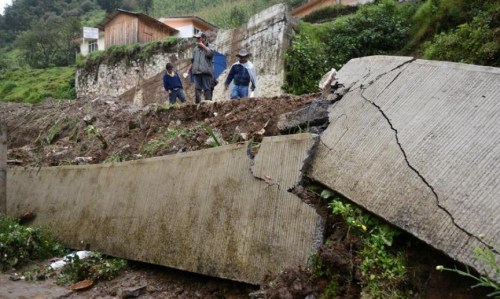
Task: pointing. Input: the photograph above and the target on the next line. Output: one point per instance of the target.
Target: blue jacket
(239, 74)
(170, 83)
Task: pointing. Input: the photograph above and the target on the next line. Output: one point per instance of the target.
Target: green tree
(304, 65)
(372, 30)
(109, 5)
(436, 16)
(49, 42)
(475, 42)
(237, 16)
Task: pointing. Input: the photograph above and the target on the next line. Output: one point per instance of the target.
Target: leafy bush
(383, 268)
(304, 65)
(373, 30)
(19, 244)
(129, 53)
(222, 13)
(95, 267)
(474, 43)
(436, 16)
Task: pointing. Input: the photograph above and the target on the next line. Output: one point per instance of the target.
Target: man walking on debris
(173, 85)
(243, 73)
(202, 68)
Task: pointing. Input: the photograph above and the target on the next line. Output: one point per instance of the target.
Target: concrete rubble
(208, 211)
(417, 143)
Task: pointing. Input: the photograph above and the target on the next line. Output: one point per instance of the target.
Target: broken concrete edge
(306, 164)
(362, 88)
(345, 77)
(370, 78)
(315, 227)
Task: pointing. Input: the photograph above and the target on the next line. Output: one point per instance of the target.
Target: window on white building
(93, 46)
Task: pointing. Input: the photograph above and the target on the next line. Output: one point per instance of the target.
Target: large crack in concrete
(292, 186)
(422, 178)
(306, 164)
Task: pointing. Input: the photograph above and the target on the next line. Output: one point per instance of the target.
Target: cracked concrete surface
(200, 211)
(418, 143)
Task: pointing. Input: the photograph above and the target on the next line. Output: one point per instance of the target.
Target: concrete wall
(266, 36)
(208, 211)
(117, 79)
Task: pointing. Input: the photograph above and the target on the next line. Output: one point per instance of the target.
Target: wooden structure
(125, 27)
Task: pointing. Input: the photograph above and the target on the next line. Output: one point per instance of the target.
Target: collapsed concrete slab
(418, 143)
(314, 114)
(201, 211)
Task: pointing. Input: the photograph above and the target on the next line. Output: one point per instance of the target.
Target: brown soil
(57, 133)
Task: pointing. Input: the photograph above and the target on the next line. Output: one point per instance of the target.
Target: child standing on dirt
(173, 85)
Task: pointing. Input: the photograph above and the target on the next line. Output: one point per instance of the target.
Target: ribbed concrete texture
(418, 143)
(202, 211)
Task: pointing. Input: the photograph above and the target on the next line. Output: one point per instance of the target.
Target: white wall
(185, 31)
(84, 46)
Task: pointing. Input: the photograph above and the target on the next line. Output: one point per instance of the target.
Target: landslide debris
(107, 130)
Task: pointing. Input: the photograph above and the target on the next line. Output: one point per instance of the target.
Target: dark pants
(203, 82)
(176, 93)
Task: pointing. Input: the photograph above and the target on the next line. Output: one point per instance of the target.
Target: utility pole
(3, 168)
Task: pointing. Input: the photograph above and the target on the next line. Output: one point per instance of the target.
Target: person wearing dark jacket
(242, 73)
(202, 68)
(173, 85)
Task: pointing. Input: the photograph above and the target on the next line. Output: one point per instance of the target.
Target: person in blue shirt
(242, 73)
(173, 85)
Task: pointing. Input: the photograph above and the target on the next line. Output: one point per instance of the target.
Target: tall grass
(34, 85)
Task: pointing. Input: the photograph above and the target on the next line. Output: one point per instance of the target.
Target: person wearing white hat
(242, 73)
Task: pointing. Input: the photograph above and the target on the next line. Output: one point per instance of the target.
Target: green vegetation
(34, 85)
(20, 244)
(475, 42)
(222, 13)
(373, 30)
(92, 130)
(154, 146)
(94, 268)
(211, 133)
(450, 30)
(57, 128)
(382, 266)
(486, 256)
(129, 53)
